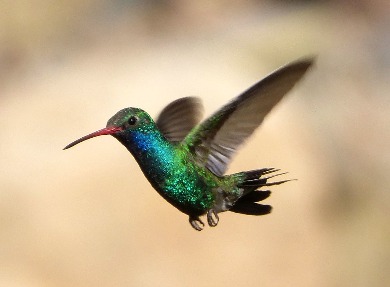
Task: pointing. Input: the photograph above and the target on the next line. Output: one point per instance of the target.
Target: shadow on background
(88, 217)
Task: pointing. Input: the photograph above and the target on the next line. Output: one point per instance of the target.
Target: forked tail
(252, 180)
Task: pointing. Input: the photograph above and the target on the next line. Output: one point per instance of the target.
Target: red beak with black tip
(102, 132)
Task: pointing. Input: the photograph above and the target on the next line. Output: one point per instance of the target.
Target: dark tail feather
(253, 178)
(247, 204)
(255, 196)
(251, 208)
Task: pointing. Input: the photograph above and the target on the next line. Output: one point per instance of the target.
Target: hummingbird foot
(195, 221)
(212, 217)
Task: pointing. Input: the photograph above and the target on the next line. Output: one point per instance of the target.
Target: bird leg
(212, 217)
(195, 221)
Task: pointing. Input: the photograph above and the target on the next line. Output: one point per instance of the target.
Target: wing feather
(178, 118)
(215, 140)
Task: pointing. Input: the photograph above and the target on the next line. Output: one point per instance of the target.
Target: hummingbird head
(123, 122)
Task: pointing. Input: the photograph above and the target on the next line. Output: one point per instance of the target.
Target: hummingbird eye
(132, 121)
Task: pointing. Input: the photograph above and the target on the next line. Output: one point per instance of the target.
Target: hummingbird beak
(105, 131)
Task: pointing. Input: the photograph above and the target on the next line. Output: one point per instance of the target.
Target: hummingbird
(185, 161)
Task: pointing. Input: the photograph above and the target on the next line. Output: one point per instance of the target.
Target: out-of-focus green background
(88, 217)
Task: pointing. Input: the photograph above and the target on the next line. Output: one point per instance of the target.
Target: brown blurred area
(88, 217)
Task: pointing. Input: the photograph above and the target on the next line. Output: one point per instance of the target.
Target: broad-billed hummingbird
(186, 161)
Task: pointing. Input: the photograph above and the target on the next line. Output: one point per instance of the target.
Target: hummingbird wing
(178, 118)
(216, 139)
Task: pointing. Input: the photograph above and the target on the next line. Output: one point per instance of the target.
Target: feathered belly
(191, 195)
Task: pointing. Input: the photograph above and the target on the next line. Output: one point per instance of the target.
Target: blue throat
(154, 154)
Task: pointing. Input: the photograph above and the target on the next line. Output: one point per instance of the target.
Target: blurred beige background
(88, 217)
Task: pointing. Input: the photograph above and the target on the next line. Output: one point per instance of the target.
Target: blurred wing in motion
(178, 118)
(216, 139)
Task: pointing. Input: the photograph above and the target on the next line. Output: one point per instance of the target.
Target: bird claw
(212, 218)
(195, 221)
